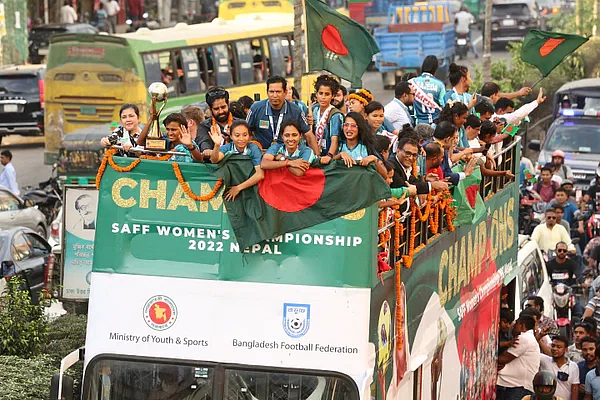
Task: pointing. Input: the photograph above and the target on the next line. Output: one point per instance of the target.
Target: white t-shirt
(112, 8)
(563, 388)
(67, 14)
(463, 21)
(521, 370)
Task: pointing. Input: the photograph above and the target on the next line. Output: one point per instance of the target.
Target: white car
(532, 279)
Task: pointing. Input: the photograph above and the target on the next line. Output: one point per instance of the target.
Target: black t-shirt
(561, 273)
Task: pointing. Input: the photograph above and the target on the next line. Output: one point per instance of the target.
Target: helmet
(544, 385)
(558, 153)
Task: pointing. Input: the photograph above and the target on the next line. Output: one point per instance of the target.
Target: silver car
(14, 212)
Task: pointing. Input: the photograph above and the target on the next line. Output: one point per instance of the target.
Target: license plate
(88, 110)
(11, 108)
(461, 42)
(508, 22)
(579, 176)
(43, 52)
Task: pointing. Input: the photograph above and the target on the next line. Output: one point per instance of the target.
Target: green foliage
(67, 333)
(564, 21)
(25, 379)
(23, 326)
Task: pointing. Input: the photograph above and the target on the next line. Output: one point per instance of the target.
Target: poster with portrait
(79, 229)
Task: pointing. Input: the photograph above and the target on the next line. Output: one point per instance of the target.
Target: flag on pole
(545, 50)
(337, 43)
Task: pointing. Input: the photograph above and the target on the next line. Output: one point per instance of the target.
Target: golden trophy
(155, 141)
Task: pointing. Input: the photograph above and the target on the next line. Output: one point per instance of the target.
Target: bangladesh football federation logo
(160, 313)
(296, 319)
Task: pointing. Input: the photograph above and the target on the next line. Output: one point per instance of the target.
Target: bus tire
(67, 387)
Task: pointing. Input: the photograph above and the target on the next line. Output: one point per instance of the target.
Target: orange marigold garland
(156, 158)
(188, 191)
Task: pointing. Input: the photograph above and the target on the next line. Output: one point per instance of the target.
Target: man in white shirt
(463, 21)
(519, 363)
(8, 178)
(566, 371)
(547, 235)
(67, 13)
(396, 111)
(505, 108)
(112, 9)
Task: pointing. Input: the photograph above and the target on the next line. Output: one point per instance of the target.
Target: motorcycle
(531, 211)
(462, 45)
(563, 301)
(47, 197)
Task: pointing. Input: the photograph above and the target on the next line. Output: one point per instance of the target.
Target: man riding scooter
(463, 21)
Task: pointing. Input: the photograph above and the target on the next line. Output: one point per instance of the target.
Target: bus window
(191, 71)
(259, 62)
(531, 275)
(169, 76)
(152, 68)
(267, 57)
(277, 56)
(232, 64)
(221, 64)
(206, 66)
(288, 52)
(244, 56)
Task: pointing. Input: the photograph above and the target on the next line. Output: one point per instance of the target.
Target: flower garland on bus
(229, 122)
(108, 159)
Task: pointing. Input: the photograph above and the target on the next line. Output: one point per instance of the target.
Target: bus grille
(97, 113)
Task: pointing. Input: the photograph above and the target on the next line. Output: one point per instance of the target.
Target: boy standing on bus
(266, 116)
(217, 99)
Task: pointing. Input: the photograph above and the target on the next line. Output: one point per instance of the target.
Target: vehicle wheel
(67, 387)
(41, 230)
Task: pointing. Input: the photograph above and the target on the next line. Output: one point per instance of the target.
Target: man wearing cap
(567, 184)
(562, 170)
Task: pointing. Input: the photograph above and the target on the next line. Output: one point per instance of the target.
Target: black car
(512, 20)
(22, 100)
(23, 252)
(39, 38)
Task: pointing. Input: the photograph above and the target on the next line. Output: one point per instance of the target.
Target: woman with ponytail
(328, 120)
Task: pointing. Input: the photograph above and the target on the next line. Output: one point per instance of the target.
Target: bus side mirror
(534, 145)
(67, 387)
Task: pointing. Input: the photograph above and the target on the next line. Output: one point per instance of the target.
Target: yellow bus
(230, 9)
(90, 76)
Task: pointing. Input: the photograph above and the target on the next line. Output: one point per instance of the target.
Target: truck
(411, 34)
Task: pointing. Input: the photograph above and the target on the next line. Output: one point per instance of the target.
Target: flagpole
(297, 61)
(538, 81)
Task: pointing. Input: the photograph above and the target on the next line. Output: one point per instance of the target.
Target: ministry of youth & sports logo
(160, 312)
(296, 319)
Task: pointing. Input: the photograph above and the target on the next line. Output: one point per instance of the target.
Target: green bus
(89, 77)
(179, 310)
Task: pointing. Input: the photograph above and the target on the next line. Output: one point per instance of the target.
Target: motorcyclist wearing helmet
(544, 386)
(562, 170)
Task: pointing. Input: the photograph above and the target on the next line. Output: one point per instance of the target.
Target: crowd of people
(456, 127)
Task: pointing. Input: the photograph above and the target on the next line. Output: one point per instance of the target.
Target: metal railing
(506, 159)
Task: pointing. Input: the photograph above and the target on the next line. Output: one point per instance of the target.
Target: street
(28, 159)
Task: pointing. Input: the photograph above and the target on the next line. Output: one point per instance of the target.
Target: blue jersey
(435, 89)
(251, 150)
(332, 128)
(303, 152)
(358, 152)
(266, 122)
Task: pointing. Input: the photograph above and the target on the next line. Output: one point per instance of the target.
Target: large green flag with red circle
(283, 203)
(545, 50)
(337, 44)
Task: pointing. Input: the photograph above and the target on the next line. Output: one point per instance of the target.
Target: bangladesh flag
(283, 202)
(337, 43)
(545, 50)
(469, 204)
(510, 130)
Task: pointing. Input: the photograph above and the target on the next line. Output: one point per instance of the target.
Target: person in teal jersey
(433, 87)
(460, 79)
(178, 138)
(328, 120)
(357, 145)
(294, 97)
(290, 154)
(240, 144)
(376, 120)
(456, 113)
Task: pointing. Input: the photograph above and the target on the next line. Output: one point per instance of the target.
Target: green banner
(147, 225)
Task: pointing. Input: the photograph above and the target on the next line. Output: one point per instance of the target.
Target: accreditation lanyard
(274, 128)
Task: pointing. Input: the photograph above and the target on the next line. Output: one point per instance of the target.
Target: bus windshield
(129, 379)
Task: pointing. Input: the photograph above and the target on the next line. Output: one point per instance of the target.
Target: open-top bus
(179, 311)
(89, 77)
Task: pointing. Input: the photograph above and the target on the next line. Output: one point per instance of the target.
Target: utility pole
(46, 16)
(297, 61)
(577, 17)
(487, 42)
(595, 18)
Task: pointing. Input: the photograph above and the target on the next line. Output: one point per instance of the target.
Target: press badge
(263, 124)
